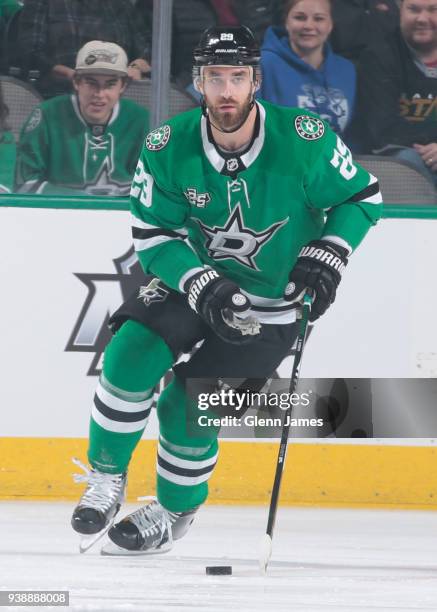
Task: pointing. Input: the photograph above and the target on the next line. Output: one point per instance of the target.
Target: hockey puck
(219, 570)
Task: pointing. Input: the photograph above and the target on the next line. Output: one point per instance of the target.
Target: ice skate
(98, 506)
(149, 530)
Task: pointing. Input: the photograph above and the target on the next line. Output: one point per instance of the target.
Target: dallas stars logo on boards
(236, 241)
(106, 292)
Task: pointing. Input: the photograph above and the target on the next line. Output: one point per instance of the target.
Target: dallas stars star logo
(309, 128)
(153, 292)
(235, 241)
(105, 294)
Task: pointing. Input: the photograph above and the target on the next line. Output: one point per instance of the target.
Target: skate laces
(103, 489)
(154, 519)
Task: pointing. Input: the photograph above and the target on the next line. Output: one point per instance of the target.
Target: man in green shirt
(237, 209)
(88, 142)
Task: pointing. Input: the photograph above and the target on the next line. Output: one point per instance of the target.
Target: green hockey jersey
(249, 214)
(7, 161)
(59, 153)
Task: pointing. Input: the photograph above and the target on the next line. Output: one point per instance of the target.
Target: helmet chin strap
(235, 129)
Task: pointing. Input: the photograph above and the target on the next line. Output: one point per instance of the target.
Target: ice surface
(336, 560)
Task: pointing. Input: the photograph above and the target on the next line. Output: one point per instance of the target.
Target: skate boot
(149, 530)
(97, 507)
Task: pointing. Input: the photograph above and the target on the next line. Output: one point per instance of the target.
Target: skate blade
(112, 550)
(87, 542)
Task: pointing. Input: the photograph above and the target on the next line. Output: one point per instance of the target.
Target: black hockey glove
(221, 304)
(319, 267)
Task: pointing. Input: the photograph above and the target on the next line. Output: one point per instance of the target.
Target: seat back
(20, 98)
(400, 181)
(141, 93)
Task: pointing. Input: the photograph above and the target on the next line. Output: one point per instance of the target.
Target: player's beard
(229, 122)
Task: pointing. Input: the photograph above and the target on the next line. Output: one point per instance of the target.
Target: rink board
(60, 281)
(320, 474)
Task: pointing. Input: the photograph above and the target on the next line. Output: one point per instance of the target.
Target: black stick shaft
(286, 426)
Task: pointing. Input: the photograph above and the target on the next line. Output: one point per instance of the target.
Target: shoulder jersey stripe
(370, 194)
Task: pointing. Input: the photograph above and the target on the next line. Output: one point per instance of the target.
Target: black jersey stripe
(144, 234)
(190, 472)
(367, 192)
(118, 415)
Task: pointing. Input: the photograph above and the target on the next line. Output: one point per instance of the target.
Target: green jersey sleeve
(159, 220)
(345, 190)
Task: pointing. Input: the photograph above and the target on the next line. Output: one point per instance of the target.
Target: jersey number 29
(343, 158)
(142, 185)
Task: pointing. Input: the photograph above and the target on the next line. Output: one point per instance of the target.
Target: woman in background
(7, 150)
(300, 69)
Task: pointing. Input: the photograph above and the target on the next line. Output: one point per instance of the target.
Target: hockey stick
(265, 547)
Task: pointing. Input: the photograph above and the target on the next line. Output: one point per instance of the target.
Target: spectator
(52, 31)
(361, 23)
(7, 149)
(89, 141)
(191, 17)
(300, 69)
(398, 89)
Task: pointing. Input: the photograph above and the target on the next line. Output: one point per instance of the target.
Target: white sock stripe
(194, 451)
(187, 481)
(117, 426)
(128, 396)
(116, 403)
(190, 464)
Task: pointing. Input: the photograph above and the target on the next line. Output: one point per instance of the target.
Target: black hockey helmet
(227, 46)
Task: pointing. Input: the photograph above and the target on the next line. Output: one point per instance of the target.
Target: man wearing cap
(89, 141)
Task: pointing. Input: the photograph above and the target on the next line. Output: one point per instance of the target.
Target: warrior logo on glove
(223, 306)
(319, 267)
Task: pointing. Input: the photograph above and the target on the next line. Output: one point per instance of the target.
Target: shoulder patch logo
(34, 121)
(309, 128)
(157, 139)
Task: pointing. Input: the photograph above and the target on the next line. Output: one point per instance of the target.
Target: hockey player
(237, 208)
(87, 142)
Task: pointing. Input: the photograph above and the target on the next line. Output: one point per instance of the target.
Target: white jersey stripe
(149, 243)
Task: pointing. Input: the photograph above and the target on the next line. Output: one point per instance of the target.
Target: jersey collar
(226, 163)
(112, 118)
